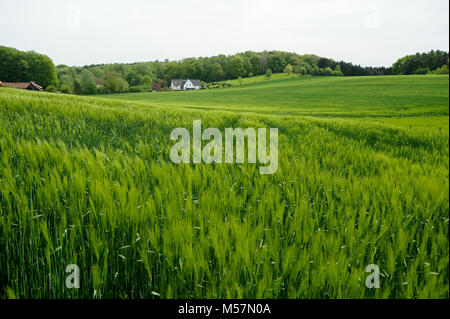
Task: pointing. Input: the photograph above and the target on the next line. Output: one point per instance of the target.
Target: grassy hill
(362, 179)
(262, 78)
(317, 96)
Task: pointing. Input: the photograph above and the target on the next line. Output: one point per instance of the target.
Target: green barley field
(363, 178)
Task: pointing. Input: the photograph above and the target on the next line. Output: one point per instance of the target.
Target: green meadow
(363, 178)
(317, 96)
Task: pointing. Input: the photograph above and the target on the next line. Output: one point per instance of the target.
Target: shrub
(422, 71)
(91, 89)
(66, 89)
(102, 89)
(316, 70)
(288, 69)
(147, 87)
(146, 81)
(337, 71)
(326, 71)
(442, 70)
(136, 88)
(51, 88)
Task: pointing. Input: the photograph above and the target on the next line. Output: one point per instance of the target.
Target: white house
(183, 85)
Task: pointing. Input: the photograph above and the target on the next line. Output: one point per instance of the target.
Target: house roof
(17, 85)
(178, 82)
(181, 82)
(20, 85)
(36, 85)
(196, 82)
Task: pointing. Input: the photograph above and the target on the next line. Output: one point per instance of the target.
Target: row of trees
(145, 76)
(349, 69)
(422, 63)
(19, 66)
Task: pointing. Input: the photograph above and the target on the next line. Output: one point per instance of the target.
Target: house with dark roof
(183, 85)
(22, 85)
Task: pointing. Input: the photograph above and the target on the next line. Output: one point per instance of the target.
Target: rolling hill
(316, 96)
(362, 179)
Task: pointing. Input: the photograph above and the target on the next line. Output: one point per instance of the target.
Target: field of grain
(363, 179)
(392, 96)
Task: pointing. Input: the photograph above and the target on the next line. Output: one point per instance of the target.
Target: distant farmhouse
(22, 85)
(183, 85)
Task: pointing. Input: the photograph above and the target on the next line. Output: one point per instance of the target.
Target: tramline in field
(362, 179)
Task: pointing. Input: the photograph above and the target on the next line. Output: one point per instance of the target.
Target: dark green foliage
(136, 88)
(422, 71)
(237, 67)
(51, 89)
(303, 70)
(19, 66)
(277, 63)
(209, 69)
(87, 83)
(216, 72)
(146, 80)
(325, 63)
(288, 69)
(216, 85)
(337, 71)
(327, 71)
(134, 79)
(419, 62)
(349, 69)
(442, 70)
(117, 78)
(66, 89)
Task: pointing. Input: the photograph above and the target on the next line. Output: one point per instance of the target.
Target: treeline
(433, 62)
(349, 69)
(157, 75)
(19, 66)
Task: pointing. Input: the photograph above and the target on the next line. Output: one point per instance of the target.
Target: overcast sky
(366, 32)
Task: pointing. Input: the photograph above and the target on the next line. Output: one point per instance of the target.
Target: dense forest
(422, 63)
(145, 76)
(17, 66)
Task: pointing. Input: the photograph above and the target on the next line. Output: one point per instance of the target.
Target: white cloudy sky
(367, 32)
